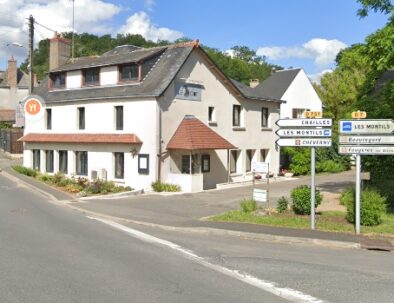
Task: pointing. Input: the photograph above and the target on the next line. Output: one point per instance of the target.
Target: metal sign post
(313, 187)
(315, 132)
(365, 137)
(358, 193)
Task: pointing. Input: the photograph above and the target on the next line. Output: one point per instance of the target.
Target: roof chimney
(254, 82)
(12, 72)
(59, 51)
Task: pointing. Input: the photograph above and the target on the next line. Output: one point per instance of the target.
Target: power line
(46, 27)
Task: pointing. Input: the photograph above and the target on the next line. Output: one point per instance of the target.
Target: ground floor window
(63, 161)
(186, 164)
(81, 163)
(249, 158)
(36, 159)
(49, 161)
(119, 165)
(205, 163)
(264, 155)
(234, 154)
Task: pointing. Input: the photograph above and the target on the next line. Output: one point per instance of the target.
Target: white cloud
(322, 51)
(91, 16)
(230, 53)
(316, 77)
(140, 23)
(150, 4)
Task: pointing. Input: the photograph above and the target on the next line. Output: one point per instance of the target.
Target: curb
(113, 196)
(197, 230)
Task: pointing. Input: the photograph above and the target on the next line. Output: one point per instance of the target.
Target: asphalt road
(49, 253)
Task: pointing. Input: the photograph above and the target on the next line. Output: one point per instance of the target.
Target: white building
(137, 115)
(294, 87)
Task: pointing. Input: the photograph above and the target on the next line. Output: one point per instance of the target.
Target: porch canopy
(192, 134)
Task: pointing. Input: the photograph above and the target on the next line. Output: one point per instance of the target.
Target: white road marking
(283, 292)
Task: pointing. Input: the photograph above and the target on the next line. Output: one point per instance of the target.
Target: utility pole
(72, 39)
(30, 66)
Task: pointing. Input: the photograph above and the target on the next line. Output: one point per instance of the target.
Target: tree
(383, 6)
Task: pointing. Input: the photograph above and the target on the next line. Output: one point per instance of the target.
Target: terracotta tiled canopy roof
(192, 134)
(82, 138)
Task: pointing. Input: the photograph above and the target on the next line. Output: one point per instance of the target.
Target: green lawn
(326, 221)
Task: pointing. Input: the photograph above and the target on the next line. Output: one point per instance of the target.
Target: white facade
(299, 96)
(150, 118)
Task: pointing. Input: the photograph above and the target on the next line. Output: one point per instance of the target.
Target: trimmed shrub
(57, 178)
(301, 197)
(25, 171)
(45, 178)
(373, 206)
(248, 205)
(347, 196)
(166, 187)
(66, 181)
(283, 205)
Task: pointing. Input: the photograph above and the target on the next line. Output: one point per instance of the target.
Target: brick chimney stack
(12, 72)
(254, 82)
(59, 51)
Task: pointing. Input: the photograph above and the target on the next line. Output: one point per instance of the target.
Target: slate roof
(169, 60)
(82, 138)
(276, 85)
(22, 81)
(192, 134)
(154, 84)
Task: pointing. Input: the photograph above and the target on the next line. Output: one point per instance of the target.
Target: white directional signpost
(260, 195)
(309, 132)
(365, 137)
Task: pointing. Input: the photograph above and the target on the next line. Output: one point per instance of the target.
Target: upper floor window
(129, 72)
(264, 117)
(298, 113)
(119, 117)
(211, 114)
(81, 117)
(58, 80)
(91, 76)
(49, 118)
(236, 115)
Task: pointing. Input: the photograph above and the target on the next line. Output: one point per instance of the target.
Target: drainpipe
(160, 142)
(228, 166)
(190, 164)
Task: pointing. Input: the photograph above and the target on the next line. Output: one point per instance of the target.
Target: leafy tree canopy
(383, 6)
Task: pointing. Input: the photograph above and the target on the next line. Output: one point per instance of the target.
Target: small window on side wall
(143, 164)
(205, 163)
(91, 76)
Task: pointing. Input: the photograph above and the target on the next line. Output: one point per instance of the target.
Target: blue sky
(297, 33)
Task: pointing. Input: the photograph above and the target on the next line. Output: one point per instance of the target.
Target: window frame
(264, 116)
(63, 80)
(81, 118)
(119, 124)
(64, 153)
(36, 160)
(237, 152)
(211, 114)
(80, 167)
(238, 115)
(125, 80)
(90, 83)
(121, 163)
(48, 118)
(49, 161)
(205, 157)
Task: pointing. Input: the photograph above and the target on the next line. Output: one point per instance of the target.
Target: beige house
(14, 87)
(136, 115)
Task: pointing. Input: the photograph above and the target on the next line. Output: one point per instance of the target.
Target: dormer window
(91, 76)
(58, 80)
(129, 72)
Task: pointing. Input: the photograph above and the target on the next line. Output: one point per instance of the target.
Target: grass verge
(325, 221)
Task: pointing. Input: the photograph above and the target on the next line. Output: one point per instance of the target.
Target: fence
(9, 140)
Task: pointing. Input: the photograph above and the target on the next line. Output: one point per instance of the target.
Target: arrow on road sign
(367, 140)
(306, 142)
(366, 150)
(377, 126)
(304, 132)
(304, 122)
